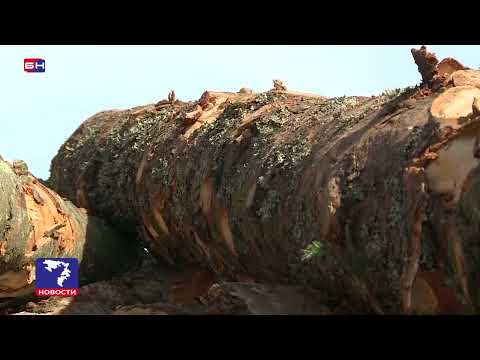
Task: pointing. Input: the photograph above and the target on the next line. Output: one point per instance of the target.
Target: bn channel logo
(34, 65)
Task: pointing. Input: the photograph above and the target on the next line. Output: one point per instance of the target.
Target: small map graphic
(51, 265)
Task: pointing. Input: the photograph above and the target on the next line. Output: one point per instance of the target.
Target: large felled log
(36, 222)
(374, 189)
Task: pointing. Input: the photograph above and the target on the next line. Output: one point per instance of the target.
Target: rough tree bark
(36, 222)
(384, 187)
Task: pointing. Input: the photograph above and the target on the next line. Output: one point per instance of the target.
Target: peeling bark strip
(243, 182)
(35, 222)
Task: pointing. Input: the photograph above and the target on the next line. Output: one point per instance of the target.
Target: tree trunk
(35, 222)
(368, 191)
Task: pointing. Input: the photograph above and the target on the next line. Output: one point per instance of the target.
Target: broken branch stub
(426, 63)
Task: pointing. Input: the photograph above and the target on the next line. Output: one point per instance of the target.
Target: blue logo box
(56, 273)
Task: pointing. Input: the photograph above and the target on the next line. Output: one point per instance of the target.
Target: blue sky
(39, 111)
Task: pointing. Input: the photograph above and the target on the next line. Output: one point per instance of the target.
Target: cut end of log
(453, 106)
(447, 174)
(466, 78)
(448, 66)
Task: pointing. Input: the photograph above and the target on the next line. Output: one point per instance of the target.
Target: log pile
(373, 200)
